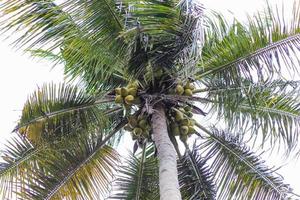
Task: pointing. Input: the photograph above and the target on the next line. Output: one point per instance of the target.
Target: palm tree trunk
(168, 176)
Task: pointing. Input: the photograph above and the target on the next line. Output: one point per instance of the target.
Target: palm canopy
(131, 55)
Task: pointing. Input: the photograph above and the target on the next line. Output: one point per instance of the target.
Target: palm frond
(78, 167)
(238, 172)
(138, 178)
(195, 179)
(83, 35)
(269, 110)
(264, 47)
(17, 155)
(56, 110)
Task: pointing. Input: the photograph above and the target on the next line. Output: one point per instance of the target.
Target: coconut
(192, 122)
(118, 91)
(191, 130)
(119, 99)
(132, 85)
(179, 90)
(184, 130)
(184, 122)
(132, 91)
(143, 124)
(129, 99)
(188, 92)
(189, 85)
(178, 116)
(124, 92)
(132, 121)
(137, 131)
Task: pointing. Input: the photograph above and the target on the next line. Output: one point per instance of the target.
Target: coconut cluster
(186, 89)
(181, 123)
(127, 95)
(138, 126)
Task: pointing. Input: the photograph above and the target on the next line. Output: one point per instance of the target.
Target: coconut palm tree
(161, 72)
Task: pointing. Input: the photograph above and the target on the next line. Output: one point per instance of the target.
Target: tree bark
(168, 175)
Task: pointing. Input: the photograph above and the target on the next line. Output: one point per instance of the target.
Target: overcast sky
(20, 75)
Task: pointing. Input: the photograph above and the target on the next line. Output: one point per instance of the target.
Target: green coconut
(118, 91)
(178, 116)
(119, 99)
(179, 90)
(132, 91)
(188, 92)
(137, 131)
(184, 130)
(129, 99)
(124, 92)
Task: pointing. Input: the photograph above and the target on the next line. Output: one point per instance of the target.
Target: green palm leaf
(138, 179)
(56, 110)
(256, 108)
(195, 179)
(14, 159)
(238, 172)
(257, 49)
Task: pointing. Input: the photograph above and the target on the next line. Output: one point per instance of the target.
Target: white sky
(19, 76)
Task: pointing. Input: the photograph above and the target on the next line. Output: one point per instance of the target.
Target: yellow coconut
(188, 92)
(178, 116)
(179, 90)
(137, 131)
(129, 99)
(143, 124)
(184, 122)
(191, 130)
(184, 130)
(189, 85)
(118, 91)
(132, 91)
(119, 99)
(124, 92)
